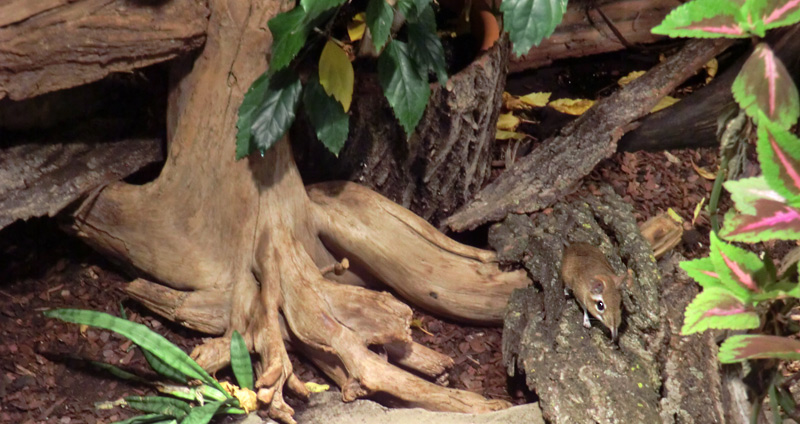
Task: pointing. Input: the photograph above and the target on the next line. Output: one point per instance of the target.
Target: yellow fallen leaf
(417, 323)
(536, 99)
(571, 106)
(703, 172)
(356, 27)
(672, 158)
(507, 121)
(664, 103)
(697, 210)
(512, 102)
(508, 135)
(674, 215)
(317, 388)
(711, 69)
(630, 77)
(247, 398)
(336, 74)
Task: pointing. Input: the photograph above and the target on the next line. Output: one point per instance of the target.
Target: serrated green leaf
(379, 20)
(718, 308)
(142, 336)
(240, 361)
(772, 221)
(741, 271)
(778, 13)
(145, 419)
(202, 414)
(746, 191)
(702, 270)
(160, 405)
(253, 97)
(276, 113)
(336, 74)
(315, 8)
(289, 31)
(779, 154)
(412, 8)
(405, 90)
(426, 47)
(764, 89)
(528, 22)
(704, 19)
(329, 120)
(751, 346)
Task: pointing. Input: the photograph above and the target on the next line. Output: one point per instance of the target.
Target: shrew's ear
(596, 286)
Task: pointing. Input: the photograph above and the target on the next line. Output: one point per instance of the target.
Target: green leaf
(741, 271)
(289, 31)
(330, 122)
(118, 372)
(379, 20)
(336, 74)
(315, 8)
(764, 89)
(751, 346)
(778, 13)
(406, 91)
(163, 368)
(145, 419)
(253, 97)
(240, 361)
(276, 112)
(702, 270)
(142, 336)
(426, 47)
(718, 308)
(528, 22)
(202, 414)
(772, 221)
(779, 154)
(786, 401)
(746, 191)
(411, 9)
(704, 19)
(160, 405)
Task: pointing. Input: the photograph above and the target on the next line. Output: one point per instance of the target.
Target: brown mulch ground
(45, 376)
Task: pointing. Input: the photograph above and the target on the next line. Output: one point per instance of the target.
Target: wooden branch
(50, 45)
(553, 168)
(39, 178)
(583, 31)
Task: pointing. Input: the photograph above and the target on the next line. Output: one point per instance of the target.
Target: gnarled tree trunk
(240, 245)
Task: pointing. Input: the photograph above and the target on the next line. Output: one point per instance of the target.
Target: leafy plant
(404, 64)
(740, 288)
(198, 397)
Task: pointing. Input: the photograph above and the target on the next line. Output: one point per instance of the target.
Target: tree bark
(240, 245)
(55, 44)
(551, 170)
(445, 161)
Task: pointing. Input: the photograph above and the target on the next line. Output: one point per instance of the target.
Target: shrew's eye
(601, 306)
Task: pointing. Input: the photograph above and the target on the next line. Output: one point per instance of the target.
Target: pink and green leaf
(718, 308)
(772, 221)
(779, 154)
(778, 13)
(746, 191)
(764, 89)
(704, 19)
(741, 271)
(753, 346)
(702, 270)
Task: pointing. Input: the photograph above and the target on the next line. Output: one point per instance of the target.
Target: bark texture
(241, 245)
(445, 161)
(552, 169)
(50, 45)
(584, 32)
